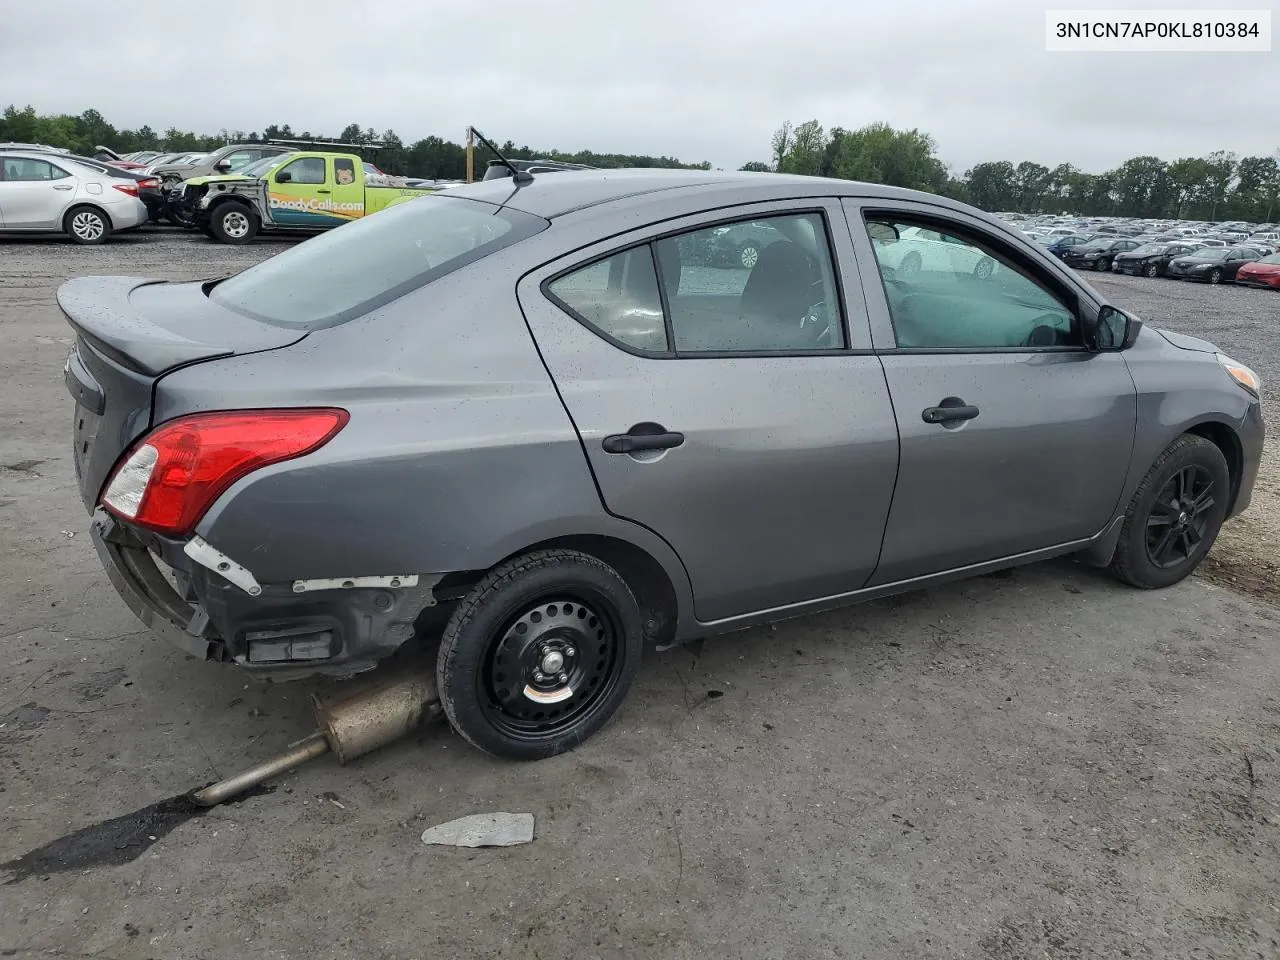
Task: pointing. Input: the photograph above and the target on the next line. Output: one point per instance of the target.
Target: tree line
(1220, 186)
(429, 157)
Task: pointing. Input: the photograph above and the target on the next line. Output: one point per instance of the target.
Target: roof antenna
(519, 176)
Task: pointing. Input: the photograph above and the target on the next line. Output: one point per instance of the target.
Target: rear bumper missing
(283, 631)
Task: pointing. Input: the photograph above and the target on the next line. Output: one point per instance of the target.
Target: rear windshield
(362, 265)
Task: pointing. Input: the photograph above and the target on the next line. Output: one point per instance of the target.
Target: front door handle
(947, 412)
(643, 436)
(322, 190)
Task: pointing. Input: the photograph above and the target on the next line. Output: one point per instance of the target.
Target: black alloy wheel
(1179, 517)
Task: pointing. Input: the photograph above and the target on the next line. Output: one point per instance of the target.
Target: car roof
(556, 194)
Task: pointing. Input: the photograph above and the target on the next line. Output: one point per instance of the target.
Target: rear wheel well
(85, 205)
(1225, 439)
(643, 574)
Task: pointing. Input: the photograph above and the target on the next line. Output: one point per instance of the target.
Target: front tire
(86, 225)
(1102, 266)
(1215, 275)
(1151, 270)
(234, 223)
(1174, 516)
(539, 655)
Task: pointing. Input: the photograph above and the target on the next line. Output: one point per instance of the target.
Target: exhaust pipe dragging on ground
(353, 720)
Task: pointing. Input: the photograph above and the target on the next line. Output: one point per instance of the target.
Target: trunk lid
(130, 332)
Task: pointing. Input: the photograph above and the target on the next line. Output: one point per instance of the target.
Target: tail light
(151, 183)
(130, 188)
(174, 474)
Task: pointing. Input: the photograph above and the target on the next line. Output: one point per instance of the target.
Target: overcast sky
(696, 79)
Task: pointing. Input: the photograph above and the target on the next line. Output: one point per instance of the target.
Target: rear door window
(345, 273)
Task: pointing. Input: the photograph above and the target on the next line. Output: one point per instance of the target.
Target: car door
(1238, 259)
(34, 193)
(1015, 438)
(730, 409)
(292, 193)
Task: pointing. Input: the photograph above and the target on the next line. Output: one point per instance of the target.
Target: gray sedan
(520, 410)
(50, 193)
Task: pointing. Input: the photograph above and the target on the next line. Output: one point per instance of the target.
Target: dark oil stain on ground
(110, 843)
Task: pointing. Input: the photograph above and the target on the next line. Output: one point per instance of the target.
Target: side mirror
(1113, 329)
(884, 232)
(284, 176)
(224, 165)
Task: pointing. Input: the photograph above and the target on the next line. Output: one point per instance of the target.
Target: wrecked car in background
(523, 410)
(306, 190)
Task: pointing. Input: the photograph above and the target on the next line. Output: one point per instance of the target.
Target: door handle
(322, 190)
(643, 436)
(945, 413)
(62, 186)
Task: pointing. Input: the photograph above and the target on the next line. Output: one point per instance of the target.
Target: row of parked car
(1255, 263)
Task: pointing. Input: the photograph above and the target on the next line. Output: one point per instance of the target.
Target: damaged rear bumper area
(212, 608)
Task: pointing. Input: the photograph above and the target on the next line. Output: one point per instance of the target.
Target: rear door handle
(62, 186)
(943, 414)
(643, 436)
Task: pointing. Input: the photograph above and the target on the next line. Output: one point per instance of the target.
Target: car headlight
(1241, 374)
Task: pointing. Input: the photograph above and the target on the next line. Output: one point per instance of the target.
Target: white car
(918, 248)
(47, 193)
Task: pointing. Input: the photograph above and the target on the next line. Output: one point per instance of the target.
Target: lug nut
(569, 651)
(564, 678)
(538, 677)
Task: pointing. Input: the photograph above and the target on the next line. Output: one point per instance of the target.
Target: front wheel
(1215, 275)
(1102, 266)
(539, 655)
(233, 222)
(1174, 516)
(1151, 270)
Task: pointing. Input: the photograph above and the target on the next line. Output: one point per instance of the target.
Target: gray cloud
(689, 78)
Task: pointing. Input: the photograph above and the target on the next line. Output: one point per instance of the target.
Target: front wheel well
(645, 576)
(1226, 440)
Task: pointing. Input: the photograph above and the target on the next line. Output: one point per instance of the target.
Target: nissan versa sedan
(517, 410)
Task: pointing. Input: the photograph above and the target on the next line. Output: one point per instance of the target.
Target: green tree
(808, 145)
(755, 166)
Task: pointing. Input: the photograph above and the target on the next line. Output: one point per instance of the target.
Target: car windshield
(260, 168)
(1274, 258)
(1211, 253)
(1150, 249)
(1096, 245)
(1047, 241)
(344, 273)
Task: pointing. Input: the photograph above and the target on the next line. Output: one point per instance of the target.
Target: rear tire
(233, 222)
(539, 655)
(1174, 516)
(86, 225)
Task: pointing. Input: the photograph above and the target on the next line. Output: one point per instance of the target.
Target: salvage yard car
(52, 193)
(310, 191)
(520, 410)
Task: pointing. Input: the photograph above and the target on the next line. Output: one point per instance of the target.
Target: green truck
(303, 191)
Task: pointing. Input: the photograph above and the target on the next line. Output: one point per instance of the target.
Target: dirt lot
(1036, 765)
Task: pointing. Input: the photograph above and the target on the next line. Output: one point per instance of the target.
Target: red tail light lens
(151, 183)
(175, 473)
(130, 188)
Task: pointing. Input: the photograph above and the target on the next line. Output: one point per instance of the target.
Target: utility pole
(471, 154)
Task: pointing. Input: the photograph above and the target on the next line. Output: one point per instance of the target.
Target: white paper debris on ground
(483, 830)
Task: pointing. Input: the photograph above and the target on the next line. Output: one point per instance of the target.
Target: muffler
(354, 718)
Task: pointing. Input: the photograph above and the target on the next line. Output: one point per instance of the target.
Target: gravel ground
(1041, 764)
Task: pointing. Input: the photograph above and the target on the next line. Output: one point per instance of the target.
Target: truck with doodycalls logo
(300, 191)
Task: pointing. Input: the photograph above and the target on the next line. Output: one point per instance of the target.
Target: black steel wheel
(540, 654)
(1175, 514)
